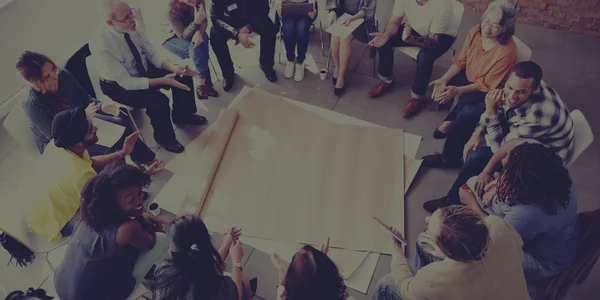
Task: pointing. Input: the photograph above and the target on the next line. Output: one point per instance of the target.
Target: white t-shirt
(435, 17)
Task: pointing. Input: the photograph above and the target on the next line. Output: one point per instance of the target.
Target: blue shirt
(552, 239)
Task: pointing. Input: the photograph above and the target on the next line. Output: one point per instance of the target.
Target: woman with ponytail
(116, 243)
(195, 270)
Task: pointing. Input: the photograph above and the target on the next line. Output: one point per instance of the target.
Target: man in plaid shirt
(525, 108)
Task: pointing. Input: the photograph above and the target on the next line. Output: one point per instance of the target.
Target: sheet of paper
(361, 278)
(171, 197)
(346, 260)
(279, 158)
(358, 280)
(108, 133)
(342, 31)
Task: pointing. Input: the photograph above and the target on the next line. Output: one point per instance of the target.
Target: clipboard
(296, 10)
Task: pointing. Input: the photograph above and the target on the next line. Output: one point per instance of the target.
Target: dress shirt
(114, 60)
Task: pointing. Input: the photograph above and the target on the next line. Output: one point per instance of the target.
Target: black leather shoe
(270, 73)
(333, 80)
(192, 120)
(173, 146)
(437, 134)
(434, 161)
(338, 91)
(228, 83)
(433, 205)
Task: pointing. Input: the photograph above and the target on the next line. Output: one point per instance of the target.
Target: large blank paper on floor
(290, 175)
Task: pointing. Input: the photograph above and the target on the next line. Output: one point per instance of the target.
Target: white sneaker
(289, 70)
(299, 72)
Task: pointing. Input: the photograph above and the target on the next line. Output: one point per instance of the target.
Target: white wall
(54, 27)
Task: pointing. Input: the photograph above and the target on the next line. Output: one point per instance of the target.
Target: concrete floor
(571, 66)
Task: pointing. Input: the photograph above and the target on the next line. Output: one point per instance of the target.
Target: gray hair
(105, 8)
(508, 20)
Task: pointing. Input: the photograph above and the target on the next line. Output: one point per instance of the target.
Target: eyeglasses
(486, 21)
(129, 18)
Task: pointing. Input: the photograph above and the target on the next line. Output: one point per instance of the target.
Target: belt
(107, 81)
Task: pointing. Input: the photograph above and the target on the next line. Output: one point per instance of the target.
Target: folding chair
(559, 286)
(583, 134)
(77, 65)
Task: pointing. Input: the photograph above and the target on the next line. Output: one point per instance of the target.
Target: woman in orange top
(481, 65)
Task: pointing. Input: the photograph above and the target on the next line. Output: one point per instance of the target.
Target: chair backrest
(523, 51)
(558, 287)
(12, 222)
(583, 134)
(77, 65)
(17, 124)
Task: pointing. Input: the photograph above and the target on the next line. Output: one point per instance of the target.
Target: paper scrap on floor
(359, 279)
(340, 30)
(108, 133)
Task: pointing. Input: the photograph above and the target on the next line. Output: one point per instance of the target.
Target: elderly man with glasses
(132, 72)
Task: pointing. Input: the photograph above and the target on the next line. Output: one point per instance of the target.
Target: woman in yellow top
(481, 65)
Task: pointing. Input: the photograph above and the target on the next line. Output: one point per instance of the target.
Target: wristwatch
(238, 265)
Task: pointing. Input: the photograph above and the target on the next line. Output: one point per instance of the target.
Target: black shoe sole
(437, 134)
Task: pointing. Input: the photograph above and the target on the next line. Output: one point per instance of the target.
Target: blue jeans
(386, 287)
(473, 166)
(184, 49)
(295, 33)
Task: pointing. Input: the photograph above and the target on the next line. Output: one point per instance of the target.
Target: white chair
(458, 10)
(523, 51)
(17, 124)
(583, 134)
(12, 222)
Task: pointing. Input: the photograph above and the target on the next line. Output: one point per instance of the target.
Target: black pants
(267, 31)
(462, 130)
(460, 101)
(425, 59)
(141, 154)
(473, 166)
(156, 103)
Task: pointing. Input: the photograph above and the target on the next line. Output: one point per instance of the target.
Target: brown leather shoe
(380, 89)
(411, 108)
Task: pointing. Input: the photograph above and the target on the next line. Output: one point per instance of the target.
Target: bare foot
(445, 127)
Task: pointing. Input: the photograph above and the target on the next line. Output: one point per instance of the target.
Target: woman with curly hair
(195, 270)
(535, 194)
(116, 243)
(311, 275)
(461, 255)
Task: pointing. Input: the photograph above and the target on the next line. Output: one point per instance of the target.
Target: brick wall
(575, 16)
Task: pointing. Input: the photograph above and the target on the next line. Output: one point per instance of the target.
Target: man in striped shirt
(525, 108)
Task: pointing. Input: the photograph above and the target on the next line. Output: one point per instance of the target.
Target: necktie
(136, 55)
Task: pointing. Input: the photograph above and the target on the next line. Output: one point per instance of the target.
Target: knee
(385, 286)
(424, 60)
(157, 102)
(347, 41)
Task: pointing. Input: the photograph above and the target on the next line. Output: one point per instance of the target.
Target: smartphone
(387, 228)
